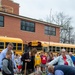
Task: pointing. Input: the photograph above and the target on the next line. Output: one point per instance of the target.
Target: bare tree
(65, 22)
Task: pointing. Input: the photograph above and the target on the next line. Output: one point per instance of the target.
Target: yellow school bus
(51, 46)
(56, 47)
(39, 45)
(17, 42)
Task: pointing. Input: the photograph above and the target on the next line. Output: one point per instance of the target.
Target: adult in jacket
(29, 58)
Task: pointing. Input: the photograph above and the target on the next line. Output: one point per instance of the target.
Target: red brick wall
(10, 3)
(40, 31)
(12, 29)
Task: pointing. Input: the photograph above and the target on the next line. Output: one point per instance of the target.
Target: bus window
(6, 44)
(61, 47)
(14, 48)
(74, 50)
(65, 48)
(45, 49)
(58, 49)
(71, 49)
(19, 46)
(53, 48)
(1, 45)
(25, 48)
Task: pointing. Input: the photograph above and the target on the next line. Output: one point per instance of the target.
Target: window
(14, 48)
(1, 45)
(19, 46)
(71, 49)
(74, 50)
(50, 48)
(50, 30)
(1, 21)
(45, 49)
(27, 26)
(53, 48)
(6, 44)
(58, 49)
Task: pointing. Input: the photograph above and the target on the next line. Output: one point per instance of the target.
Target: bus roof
(62, 45)
(10, 39)
(44, 43)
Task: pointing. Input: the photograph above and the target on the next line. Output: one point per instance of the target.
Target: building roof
(29, 19)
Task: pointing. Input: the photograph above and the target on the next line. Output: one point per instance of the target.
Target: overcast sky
(40, 9)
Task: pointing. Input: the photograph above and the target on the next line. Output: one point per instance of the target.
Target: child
(38, 73)
(7, 68)
(37, 59)
(19, 63)
(43, 62)
(37, 68)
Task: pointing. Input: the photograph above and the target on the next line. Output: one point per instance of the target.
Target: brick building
(14, 25)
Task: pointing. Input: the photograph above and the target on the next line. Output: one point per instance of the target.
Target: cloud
(41, 8)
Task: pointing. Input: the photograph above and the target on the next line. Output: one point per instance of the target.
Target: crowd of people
(38, 63)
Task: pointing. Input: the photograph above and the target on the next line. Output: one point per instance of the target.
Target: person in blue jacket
(72, 57)
(61, 70)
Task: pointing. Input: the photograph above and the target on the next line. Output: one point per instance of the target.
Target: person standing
(43, 62)
(37, 59)
(63, 59)
(72, 57)
(3, 54)
(8, 66)
(37, 62)
(29, 58)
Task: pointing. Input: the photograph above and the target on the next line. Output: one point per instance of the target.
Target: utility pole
(49, 27)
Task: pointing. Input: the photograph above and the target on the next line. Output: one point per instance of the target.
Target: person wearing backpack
(7, 64)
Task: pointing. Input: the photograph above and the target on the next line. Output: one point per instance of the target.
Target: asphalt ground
(21, 74)
(17, 74)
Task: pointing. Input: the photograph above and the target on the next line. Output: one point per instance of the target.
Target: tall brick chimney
(9, 6)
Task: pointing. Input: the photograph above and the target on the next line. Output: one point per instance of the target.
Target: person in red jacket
(43, 62)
